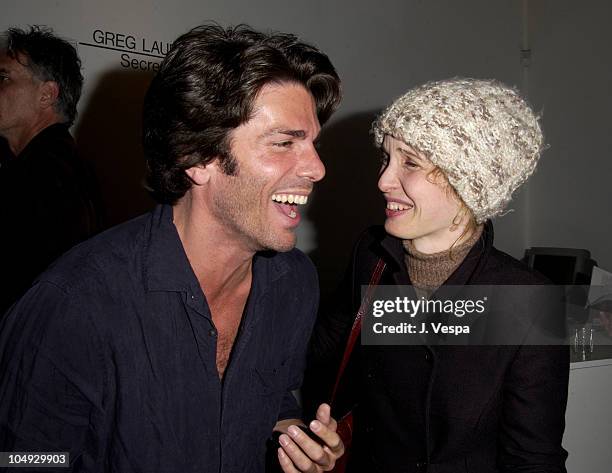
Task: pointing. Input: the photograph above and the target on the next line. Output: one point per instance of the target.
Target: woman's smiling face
(419, 208)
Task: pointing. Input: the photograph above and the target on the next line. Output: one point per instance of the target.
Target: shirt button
(212, 332)
(192, 297)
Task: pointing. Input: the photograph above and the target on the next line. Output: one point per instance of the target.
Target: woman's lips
(396, 208)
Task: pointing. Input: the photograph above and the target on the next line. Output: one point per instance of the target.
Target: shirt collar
(167, 267)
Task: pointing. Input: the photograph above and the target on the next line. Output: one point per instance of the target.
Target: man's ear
(49, 93)
(199, 174)
(203, 173)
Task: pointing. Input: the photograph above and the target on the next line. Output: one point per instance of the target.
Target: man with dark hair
(174, 342)
(46, 203)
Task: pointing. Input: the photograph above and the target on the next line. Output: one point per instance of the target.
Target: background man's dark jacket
(448, 409)
(48, 203)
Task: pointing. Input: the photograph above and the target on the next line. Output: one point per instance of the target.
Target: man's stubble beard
(238, 208)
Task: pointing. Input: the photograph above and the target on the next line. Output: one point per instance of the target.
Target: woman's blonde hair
(436, 176)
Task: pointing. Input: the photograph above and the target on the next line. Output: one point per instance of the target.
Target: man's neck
(221, 261)
(19, 138)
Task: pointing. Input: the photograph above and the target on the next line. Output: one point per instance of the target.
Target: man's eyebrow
(282, 131)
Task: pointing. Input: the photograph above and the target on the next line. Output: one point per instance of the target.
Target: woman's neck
(430, 270)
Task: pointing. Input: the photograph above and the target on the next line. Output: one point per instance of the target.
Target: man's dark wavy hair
(206, 86)
(50, 59)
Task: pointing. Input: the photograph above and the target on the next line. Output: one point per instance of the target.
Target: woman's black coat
(446, 409)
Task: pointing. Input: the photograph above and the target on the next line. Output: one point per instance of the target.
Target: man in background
(46, 203)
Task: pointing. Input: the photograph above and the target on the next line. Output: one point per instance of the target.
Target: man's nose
(312, 168)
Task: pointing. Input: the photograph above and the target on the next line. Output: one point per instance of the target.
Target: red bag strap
(356, 328)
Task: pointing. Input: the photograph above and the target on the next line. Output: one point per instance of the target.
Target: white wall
(588, 420)
(570, 197)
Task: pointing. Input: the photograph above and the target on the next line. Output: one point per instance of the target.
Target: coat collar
(58, 132)
(391, 249)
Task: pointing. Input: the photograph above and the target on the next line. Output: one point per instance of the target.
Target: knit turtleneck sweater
(429, 271)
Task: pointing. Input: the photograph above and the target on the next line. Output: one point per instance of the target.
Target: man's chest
(169, 393)
(227, 317)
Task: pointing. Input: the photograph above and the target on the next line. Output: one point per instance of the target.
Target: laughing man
(172, 343)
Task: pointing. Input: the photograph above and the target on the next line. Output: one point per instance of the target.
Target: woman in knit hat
(454, 151)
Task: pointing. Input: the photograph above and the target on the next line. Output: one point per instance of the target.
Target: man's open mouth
(288, 203)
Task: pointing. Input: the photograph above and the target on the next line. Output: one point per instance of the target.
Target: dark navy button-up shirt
(111, 356)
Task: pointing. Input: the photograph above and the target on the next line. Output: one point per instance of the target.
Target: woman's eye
(410, 164)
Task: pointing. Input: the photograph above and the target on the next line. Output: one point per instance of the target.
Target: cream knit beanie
(480, 133)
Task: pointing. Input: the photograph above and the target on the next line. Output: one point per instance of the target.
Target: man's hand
(299, 453)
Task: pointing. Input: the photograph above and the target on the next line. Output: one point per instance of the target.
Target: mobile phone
(272, 446)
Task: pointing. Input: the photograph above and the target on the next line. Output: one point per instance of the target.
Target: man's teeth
(290, 198)
(397, 206)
